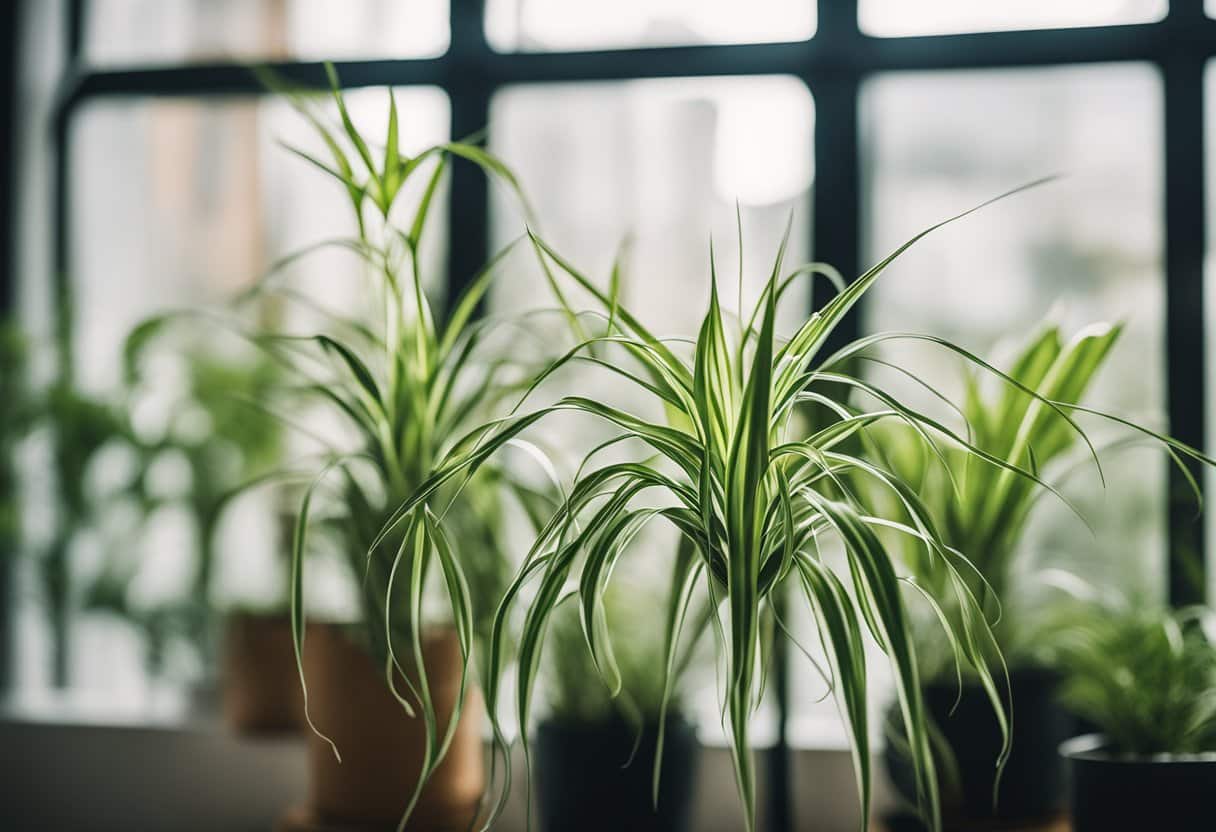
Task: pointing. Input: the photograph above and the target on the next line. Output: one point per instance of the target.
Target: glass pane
(177, 203)
(664, 163)
(544, 25)
(178, 31)
(1082, 249)
(894, 18)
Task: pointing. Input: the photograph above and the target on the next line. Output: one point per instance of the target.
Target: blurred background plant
(201, 430)
(982, 509)
(1144, 675)
(576, 692)
(16, 418)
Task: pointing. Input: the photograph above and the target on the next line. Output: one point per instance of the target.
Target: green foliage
(1146, 676)
(408, 382)
(576, 692)
(983, 509)
(218, 425)
(15, 419)
(757, 495)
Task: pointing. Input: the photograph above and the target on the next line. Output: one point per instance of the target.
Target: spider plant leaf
(466, 304)
(686, 573)
(352, 133)
(424, 206)
(669, 358)
(878, 588)
(358, 370)
(713, 379)
(299, 537)
(841, 636)
(391, 177)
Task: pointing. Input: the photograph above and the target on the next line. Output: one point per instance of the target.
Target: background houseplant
(205, 405)
(389, 694)
(595, 753)
(984, 514)
(1146, 677)
(15, 420)
(753, 492)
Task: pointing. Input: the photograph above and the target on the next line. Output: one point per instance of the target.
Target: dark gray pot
(583, 782)
(1113, 792)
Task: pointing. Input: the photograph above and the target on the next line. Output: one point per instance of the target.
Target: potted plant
(216, 408)
(390, 697)
(983, 515)
(595, 753)
(733, 468)
(1146, 677)
(15, 420)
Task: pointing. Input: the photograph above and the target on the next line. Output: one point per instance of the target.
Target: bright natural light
(162, 31)
(897, 18)
(540, 25)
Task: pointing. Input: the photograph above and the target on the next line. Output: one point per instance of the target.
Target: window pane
(543, 25)
(663, 162)
(178, 203)
(893, 18)
(1082, 249)
(176, 31)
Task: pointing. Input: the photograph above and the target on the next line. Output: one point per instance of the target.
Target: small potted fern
(595, 753)
(1146, 677)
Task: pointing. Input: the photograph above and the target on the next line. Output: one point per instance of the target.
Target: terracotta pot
(261, 684)
(382, 746)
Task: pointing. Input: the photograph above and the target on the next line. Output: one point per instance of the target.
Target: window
(666, 113)
(1082, 249)
(129, 32)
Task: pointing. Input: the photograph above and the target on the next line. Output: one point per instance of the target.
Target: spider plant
(758, 495)
(1146, 676)
(408, 382)
(984, 511)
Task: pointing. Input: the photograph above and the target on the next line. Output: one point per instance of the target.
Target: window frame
(834, 64)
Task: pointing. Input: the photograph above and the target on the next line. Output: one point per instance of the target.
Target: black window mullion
(469, 88)
(1185, 205)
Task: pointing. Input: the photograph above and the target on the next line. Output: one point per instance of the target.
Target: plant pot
(261, 684)
(1032, 787)
(584, 784)
(1113, 792)
(382, 747)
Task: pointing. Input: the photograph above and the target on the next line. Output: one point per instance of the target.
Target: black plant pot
(1112, 793)
(583, 783)
(1032, 786)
